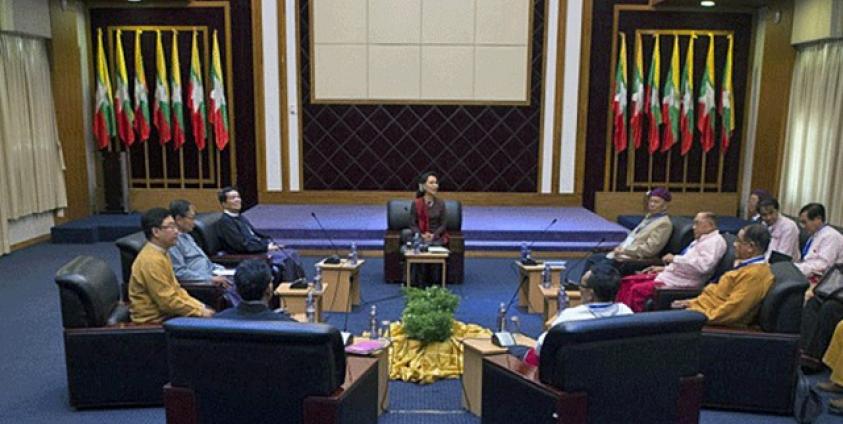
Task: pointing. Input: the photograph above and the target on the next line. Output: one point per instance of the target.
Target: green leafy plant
(429, 314)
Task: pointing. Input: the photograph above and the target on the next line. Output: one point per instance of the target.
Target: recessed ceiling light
(707, 3)
(134, 1)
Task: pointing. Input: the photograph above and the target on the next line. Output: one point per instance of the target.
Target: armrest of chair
(123, 364)
(207, 293)
(512, 392)
(749, 369)
(231, 260)
(355, 401)
(664, 296)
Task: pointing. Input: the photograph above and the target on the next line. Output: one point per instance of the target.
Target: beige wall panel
(448, 21)
(502, 21)
(394, 22)
(394, 72)
(500, 73)
(341, 72)
(447, 72)
(339, 21)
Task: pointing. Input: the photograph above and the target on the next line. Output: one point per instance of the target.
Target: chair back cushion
(781, 310)
(205, 232)
(129, 247)
(89, 292)
(629, 366)
(727, 261)
(253, 371)
(681, 236)
(398, 214)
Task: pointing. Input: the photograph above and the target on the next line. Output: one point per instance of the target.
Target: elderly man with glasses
(154, 293)
(736, 298)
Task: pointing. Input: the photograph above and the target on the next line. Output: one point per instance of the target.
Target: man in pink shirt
(690, 269)
(824, 248)
(783, 232)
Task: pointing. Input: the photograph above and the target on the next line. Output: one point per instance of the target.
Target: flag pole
(146, 162)
(164, 164)
(702, 174)
(720, 173)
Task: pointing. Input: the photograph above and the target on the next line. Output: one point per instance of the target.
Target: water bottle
(416, 243)
(562, 300)
(501, 317)
(373, 322)
(525, 252)
(352, 256)
(310, 305)
(546, 276)
(317, 281)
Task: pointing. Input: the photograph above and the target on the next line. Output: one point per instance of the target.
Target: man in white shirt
(783, 232)
(690, 269)
(824, 248)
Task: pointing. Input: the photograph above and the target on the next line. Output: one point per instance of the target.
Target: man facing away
(252, 279)
(689, 269)
(239, 236)
(784, 233)
(154, 292)
(736, 298)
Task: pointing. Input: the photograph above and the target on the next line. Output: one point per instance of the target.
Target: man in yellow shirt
(154, 292)
(736, 298)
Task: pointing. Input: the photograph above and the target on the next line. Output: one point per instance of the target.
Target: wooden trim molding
(381, 197)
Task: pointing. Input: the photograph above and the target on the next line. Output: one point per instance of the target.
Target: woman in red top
(427, 219)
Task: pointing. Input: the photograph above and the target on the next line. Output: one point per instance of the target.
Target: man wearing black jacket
(237, 235)
(252, 279)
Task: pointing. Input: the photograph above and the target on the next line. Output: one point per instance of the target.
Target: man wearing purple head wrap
(645, 241)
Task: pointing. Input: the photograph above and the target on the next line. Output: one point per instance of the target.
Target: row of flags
(116, 116)
(676, 109)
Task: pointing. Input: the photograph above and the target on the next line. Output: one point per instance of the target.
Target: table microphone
(335, 258)
(531, 261)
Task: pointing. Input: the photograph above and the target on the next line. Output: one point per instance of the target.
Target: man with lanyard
(646, 241)
(736, 298)
(190, 263)
(784, 233)
(819, 317)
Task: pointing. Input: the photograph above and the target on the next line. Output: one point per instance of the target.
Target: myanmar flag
(219, 110)
(727, 113)
(635, 123)
(619, 100)
(706, 100)
(175, 94)
(104, 113)
(651, 106)
(196, 96)
(686, 121)
(141, 93)
(122, 102)
(161, 106)
(670, 101)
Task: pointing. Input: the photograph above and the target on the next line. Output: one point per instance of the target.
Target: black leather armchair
(131, 245)
(207, 237)
(756, 369)
(110, 362)
(681, 236)
(398, 219)
(641, 368)
(227, 371)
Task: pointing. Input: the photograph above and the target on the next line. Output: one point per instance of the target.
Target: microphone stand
(335, 258)
(531, 261)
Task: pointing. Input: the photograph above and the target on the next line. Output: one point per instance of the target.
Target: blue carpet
(32, 372)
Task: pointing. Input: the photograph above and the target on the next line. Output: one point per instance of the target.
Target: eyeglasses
(168, 227)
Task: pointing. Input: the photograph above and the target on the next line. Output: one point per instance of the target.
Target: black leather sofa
(233, 371)
(109, 361)
(756, 369)
(398, 219)
(642, 368)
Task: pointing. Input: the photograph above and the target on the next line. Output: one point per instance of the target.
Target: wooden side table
(411, 258)
(530, 277)
(472, 377)
(295, 300)
(550, 295)
(343, 289)
(382, 356)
